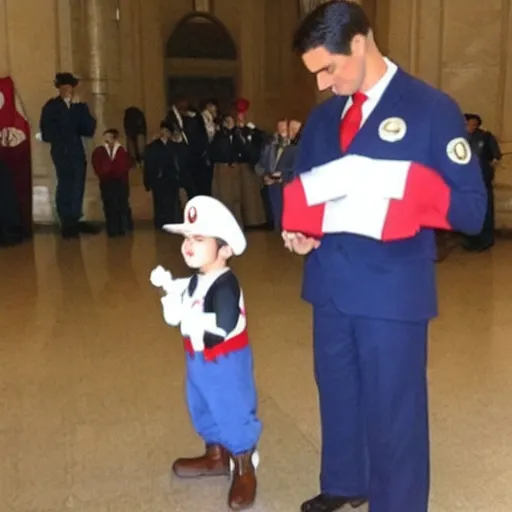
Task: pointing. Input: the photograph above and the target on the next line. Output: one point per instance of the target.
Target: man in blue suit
(373, 298)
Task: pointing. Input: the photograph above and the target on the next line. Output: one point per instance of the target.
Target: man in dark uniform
(64, 121)
(189, 123)
(207, 130)
(165, 172)
(486, 148)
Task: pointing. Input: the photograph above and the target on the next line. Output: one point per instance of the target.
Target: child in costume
(220, 388)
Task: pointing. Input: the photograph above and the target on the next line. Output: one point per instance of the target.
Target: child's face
(110, 139)
(204, 253)
(229, 122)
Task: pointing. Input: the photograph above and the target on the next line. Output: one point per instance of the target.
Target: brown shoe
(242, 493)
(214, 462)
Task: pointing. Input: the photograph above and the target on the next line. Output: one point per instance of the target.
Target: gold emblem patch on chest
(392, 129)
(459, 151)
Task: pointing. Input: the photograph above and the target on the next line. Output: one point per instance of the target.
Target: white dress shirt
(375, 93)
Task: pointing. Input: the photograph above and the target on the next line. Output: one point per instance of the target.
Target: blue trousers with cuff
(371, 377)
(222, 400)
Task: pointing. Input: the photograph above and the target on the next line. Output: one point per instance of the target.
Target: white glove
(172, 306)
(172, 303)
(161, 278)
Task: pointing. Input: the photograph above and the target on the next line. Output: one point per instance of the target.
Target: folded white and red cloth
(381, 199)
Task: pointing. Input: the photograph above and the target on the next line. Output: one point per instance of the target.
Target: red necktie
(352, 119)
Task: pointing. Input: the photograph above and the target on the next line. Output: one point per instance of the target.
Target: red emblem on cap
(192, 215)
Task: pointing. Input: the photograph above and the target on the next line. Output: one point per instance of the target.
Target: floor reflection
(91, 379)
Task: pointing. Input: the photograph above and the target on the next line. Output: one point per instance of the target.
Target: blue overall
(222, 400)
(372, 302)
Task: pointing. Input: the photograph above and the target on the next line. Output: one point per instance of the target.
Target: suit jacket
(287, 162)
(195, 135)
(225, 147)
(268, 162)
(486, 148)
(165, 164)
(391, 280)
(63, 127)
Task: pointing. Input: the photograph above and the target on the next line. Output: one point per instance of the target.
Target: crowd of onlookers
(201, 152)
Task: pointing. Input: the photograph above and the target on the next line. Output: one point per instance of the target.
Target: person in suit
(189, 122)
(65, 121)
(209, 117)
(287, 160)
(165, 171)
(487, 149)
(268, 168)
(365, 156)
(250, 142)
(227, 182)
(199, 157)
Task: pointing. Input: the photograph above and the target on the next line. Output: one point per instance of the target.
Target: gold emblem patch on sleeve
(459, 151)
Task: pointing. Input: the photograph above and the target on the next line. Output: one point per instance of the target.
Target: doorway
(202, 62)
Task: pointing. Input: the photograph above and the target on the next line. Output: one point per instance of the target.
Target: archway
(201, 61)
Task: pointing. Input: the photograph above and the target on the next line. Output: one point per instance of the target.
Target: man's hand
(299, 243)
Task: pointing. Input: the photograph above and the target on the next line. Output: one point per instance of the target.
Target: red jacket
(110, 163)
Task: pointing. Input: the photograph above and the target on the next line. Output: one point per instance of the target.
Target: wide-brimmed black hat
(65, 79)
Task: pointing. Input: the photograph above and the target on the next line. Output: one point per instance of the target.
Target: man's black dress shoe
(325, 503)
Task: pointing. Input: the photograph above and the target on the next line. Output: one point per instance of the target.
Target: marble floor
(91, 402)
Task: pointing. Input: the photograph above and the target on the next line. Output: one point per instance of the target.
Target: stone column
(100, 82)
(102, 79)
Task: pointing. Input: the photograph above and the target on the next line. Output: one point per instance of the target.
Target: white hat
(206, 216)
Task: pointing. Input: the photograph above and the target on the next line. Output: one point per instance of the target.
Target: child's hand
(161, 278)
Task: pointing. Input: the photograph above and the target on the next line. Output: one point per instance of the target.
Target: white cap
(206, 216)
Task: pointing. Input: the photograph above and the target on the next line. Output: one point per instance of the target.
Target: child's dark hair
(113, 132)
(220, 243)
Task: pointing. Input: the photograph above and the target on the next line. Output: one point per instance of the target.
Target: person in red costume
(112, 164)
(15, 150)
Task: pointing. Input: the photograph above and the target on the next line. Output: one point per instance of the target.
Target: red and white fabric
(15, 147)
(382, 199)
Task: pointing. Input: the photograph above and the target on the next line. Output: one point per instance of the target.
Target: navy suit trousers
(371, 377)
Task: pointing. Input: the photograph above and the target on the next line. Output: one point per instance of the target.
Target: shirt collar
(375, 93)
